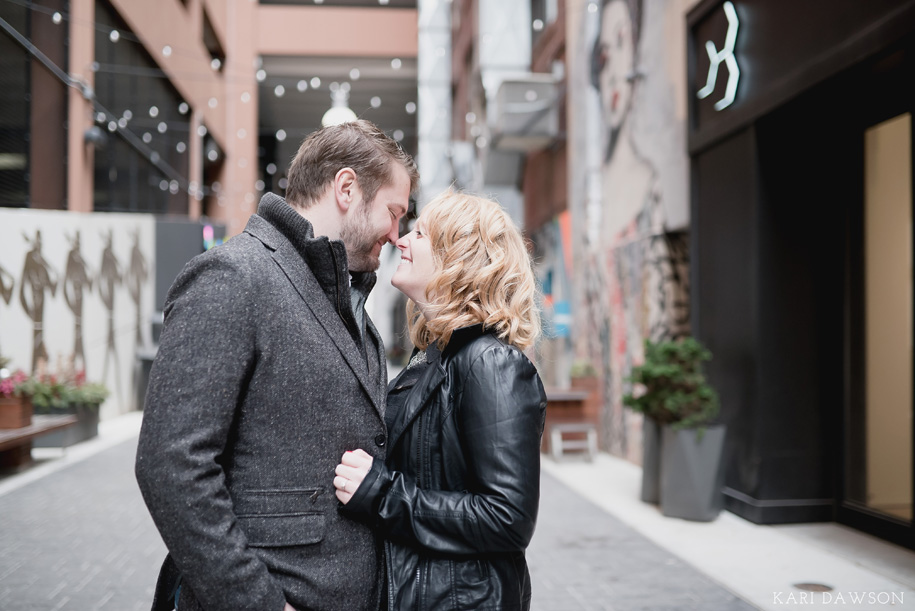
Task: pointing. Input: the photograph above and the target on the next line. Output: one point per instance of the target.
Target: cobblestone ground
(80, 539)
(582, 558)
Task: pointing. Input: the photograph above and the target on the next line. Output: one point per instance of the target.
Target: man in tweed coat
(268, 370)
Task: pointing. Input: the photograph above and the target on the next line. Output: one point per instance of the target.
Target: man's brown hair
(359, 145)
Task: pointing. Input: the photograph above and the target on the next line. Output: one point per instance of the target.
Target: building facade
(135, 134)
(800, 144)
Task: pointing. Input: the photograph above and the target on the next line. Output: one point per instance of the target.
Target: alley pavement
(75, 535)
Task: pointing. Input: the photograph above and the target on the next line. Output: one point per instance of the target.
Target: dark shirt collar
(325, 257)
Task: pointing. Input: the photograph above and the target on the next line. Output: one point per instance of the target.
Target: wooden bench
(16, 444)
(581, 436)
(565, 406)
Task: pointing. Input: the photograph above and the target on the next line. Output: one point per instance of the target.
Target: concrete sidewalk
(76, 535)
(759, 564)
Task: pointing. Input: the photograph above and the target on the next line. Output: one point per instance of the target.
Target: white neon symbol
(726, 55)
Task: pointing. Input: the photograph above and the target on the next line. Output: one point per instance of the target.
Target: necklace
(418, 359)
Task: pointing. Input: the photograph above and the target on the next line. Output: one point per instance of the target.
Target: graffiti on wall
(636, 283)
(69, 310)
(553, 253)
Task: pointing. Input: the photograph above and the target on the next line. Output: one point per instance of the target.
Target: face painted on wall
(616, 62)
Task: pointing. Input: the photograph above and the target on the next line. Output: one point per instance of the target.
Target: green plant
(60, 391)
(582, 368)
(670, 388)
(91, 394)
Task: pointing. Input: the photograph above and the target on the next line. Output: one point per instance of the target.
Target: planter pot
(86, 428)
(15, 412)
(692, 473)
(651, 461)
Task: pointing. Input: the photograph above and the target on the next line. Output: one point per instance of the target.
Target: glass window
(143, 167)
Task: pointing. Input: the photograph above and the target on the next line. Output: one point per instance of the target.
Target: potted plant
(15, 405)
(583, 376)
(66, 392)
(670, 389)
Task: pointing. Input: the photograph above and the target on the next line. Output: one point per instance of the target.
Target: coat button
(380, 440)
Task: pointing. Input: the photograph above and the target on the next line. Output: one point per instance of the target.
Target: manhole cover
(813, 587)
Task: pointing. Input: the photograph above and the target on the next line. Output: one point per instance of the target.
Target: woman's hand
(288, 607)
(350, 473)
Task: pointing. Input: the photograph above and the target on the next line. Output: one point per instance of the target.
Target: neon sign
(726, 55)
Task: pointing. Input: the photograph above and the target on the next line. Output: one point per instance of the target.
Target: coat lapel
(310, 291)
(417, 400)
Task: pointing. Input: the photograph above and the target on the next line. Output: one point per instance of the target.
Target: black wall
(776, 222)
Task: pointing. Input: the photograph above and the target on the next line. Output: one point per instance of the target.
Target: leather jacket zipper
(389, 574)
(419, 449)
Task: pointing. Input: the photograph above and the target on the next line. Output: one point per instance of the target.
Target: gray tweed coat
(258, 388)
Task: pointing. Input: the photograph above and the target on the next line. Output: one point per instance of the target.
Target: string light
(117, 36)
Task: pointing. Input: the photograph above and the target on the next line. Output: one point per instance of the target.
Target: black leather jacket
(457, 498)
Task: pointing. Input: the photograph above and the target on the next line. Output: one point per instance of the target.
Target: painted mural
(77, 289)
(553, 253)
(636, 280)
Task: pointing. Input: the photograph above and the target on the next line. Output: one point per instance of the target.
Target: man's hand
(288, 607)
(350, 472)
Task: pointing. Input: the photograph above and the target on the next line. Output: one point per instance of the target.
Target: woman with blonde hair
(456, 500)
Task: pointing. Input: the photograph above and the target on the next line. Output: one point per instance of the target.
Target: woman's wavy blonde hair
(483, 273)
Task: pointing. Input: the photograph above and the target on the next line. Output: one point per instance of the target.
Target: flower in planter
(10, 383)
(62, 391)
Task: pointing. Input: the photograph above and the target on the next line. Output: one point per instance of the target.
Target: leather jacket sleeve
(499, 414)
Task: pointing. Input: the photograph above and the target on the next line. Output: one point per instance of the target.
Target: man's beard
(359, 241)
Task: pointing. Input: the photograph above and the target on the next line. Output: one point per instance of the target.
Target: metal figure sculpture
(37, 278)
(109, 278)
(76, 280)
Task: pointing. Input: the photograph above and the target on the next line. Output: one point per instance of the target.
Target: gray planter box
(85, 428)
(651, 461)
(692, 473)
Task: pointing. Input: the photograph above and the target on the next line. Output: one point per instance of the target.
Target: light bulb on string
(339, 111)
